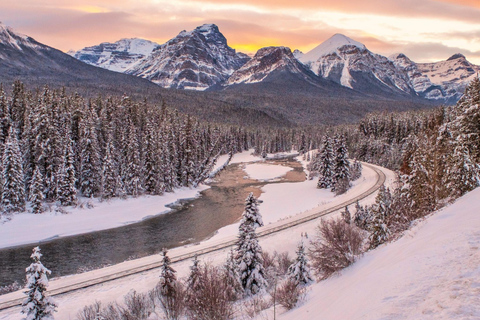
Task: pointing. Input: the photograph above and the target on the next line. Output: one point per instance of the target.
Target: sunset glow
(425, 30)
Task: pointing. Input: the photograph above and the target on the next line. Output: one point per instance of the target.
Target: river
(190, 222)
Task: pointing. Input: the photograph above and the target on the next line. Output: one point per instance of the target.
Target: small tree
(169, 293)
(347, 217)
(251, 215)
(299, 272)
(36, 194)
(37, 305)
(249, 261)
(232, 277)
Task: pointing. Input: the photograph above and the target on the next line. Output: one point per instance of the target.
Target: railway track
(261, 232)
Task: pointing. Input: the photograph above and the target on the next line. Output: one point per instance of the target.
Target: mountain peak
(331, 45)
(457, 56)
(13, 39)
(207, 28)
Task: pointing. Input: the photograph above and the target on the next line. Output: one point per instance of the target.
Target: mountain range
(202, 60)
(275, 87)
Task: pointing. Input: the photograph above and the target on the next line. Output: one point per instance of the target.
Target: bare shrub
(209, 300)
(268, 260)
(337, 245)
(10, 288)
(137, 306)
(90, 312)
(283, 262)
(172, 304)
(289, 294)
(254, 306)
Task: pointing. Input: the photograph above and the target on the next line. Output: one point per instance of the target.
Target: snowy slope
(433, 272)
(196, 59)
(351, 64)
(117, 56)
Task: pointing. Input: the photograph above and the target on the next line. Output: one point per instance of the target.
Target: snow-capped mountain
(16, 41)
(443, 81)
(36, 64)
(195, 59)
(267, 61)
(118, 56)
(352, 65)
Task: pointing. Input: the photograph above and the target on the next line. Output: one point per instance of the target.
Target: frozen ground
(433, 272)
(279, 202)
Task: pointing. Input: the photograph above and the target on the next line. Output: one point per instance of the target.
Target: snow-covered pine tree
(362, 217)
(347, 217)
(109, 171)
(36, 194)
(251, 215)
(152, 162)
(13, 189)
(193, 277)
(133, 178)
(356, 170)
(467, 117)
(168, 279)
(342, 166)
(249, 261)
(326, 165)
(90, 166)
(464, 173)
(37, 305)
(381, 211)
(232, 277)
(299, 271)
(67, 190)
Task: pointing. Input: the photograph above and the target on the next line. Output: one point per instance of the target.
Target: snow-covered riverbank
(28, 228)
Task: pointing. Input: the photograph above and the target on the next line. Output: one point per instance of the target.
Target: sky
(425, 30)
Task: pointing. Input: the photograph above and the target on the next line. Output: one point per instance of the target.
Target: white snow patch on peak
(14, 39)
(207, 28)
(329, 46)
(346, 79)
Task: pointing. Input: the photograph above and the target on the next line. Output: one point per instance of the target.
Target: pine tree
(298, 271)
(362, 217)
(347, 217)
(13, 191)
(326, 165)
(168, 279)
(90, 165)
(67, 190)
(133, 183)
(381, 211)
(193, 277)
(37, 305)
(251, 215)
(109, 171)
(36, 194)
(232, 277)
(249, 261)
(342, 167)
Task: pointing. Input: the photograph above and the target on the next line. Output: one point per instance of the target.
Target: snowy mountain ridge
(196, 59)
(118, 56)
(16, 40)
(351, 64)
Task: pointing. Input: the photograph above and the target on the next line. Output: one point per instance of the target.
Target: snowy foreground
(433, 272)
(280, 201)
(28, 228)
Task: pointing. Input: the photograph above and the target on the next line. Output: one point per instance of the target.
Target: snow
(280, 201)
(432, 272)
(330, 46)
(264, 172)
(346, 79)
(28, 228)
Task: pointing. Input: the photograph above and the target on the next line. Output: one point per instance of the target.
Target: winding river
(190, 222)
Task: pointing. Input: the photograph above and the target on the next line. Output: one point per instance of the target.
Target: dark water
(194, 221)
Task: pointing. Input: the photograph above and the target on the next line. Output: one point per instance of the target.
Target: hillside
(432, 272)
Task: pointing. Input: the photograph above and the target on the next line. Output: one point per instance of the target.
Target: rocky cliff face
(195, 59)
(351, 64)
